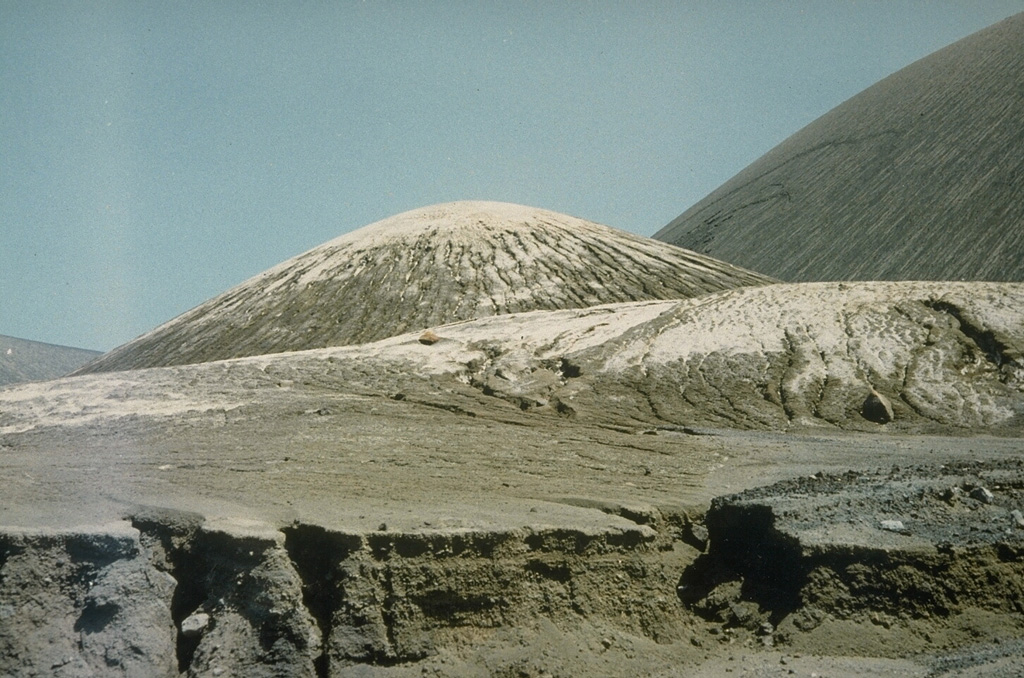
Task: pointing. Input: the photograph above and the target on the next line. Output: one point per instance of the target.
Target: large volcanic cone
(423, 268)
(920, 176)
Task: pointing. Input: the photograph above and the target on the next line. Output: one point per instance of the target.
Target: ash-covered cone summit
(424, 268)
(919, 177)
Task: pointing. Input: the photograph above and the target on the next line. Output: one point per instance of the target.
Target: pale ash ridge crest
(427, 267)
(948, 357)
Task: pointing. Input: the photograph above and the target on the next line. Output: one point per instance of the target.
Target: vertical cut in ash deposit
(427, 267)
(918, 177)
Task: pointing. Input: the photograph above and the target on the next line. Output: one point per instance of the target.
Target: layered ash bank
(918, 547)
(168, 594)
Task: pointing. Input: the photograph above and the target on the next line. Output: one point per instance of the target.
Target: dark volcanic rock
(916, 178)
(424, 268)
(83, 602)
(877, 408)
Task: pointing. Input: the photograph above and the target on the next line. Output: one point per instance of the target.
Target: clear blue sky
(154, 154)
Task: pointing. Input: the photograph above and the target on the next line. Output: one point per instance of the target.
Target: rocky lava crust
(927, 549)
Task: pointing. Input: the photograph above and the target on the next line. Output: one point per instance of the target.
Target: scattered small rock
(195, 624)
(1018, 518)
(696, 535)
(877, 408)
(894, 526)
(952, 495)
(743, 613)
(880, 620)
(428, 338)
(982, 494)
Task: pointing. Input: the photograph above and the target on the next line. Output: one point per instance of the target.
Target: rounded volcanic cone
(425, 268)
(920, 176)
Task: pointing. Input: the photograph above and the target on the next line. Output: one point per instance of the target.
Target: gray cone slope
(23, 360)
(920, 176)
(423, 268)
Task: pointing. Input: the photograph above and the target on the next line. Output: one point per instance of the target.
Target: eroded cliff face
(83, 602)
(920, 561)
(168, 594)
(937, 549)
